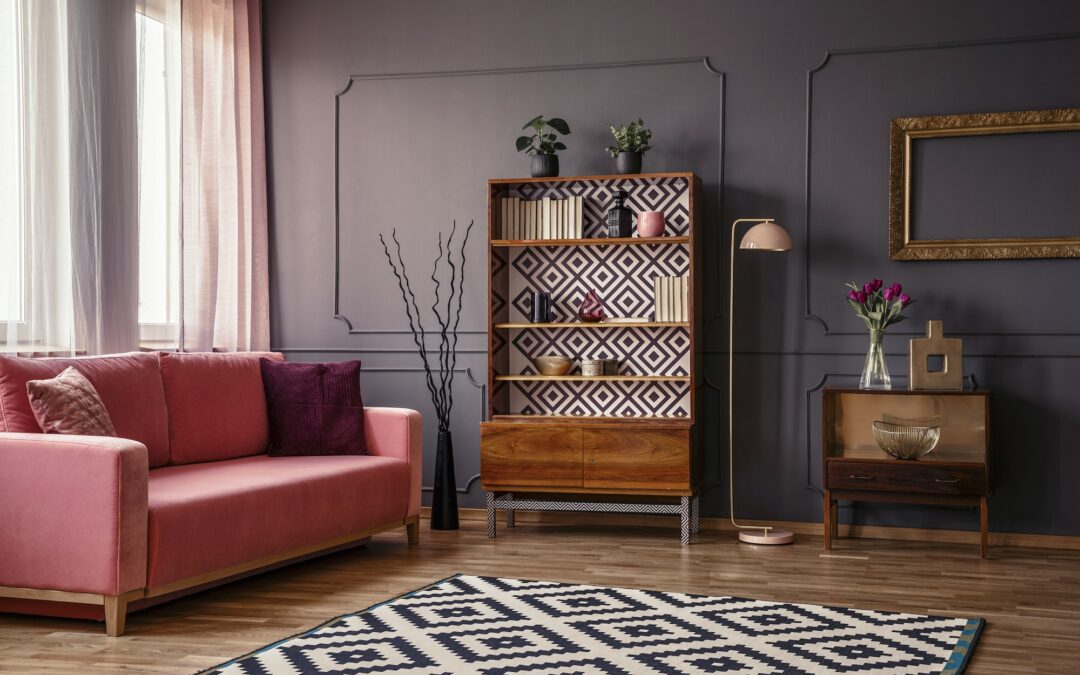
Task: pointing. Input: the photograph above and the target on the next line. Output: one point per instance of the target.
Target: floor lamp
(764, 236)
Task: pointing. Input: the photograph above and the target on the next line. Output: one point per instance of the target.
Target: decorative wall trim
(809, 313)
(703, 60)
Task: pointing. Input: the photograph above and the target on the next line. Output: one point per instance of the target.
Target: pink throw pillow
(69, 404)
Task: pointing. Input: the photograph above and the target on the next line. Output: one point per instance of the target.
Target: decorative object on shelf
(543, 144)
(904, 441)
(591, 309)
(951, 351)
(879, 307)
(599, 367)
(438, 367)
(650, 224)
(764, 236)
(541, 307)
(631, 143)
(620, 220)
(671, 299)
(552, 364)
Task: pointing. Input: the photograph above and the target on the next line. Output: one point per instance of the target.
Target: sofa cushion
(217, 407)
(129, 386)
(314, 408)
(206, 517)
(69, 404)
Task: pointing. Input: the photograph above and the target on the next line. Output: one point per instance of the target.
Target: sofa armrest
(398, 432)
(73, 513)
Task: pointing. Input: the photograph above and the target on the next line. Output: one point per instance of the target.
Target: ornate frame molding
(905, 130)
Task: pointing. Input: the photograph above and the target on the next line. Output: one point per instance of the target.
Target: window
(158, 183)
(11, 235)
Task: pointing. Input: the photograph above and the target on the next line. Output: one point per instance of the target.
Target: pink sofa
(186, 496)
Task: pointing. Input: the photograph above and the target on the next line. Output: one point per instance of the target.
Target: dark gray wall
(415, 153)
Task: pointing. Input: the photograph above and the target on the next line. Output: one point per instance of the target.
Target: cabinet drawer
(645, 459)
(542, 456)
(902, 476)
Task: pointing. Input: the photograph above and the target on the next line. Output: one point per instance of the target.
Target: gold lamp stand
(764, 236)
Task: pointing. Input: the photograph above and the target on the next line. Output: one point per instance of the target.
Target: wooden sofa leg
(115, 614)
(412, 530)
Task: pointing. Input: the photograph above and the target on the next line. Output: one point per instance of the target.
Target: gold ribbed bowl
(903, 441)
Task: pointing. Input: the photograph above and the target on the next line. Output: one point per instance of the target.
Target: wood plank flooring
(1031, 598)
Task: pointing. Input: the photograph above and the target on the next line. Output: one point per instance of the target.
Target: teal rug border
(957, 663)
(327, 623)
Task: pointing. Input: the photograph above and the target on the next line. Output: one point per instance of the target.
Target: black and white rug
(494, 626)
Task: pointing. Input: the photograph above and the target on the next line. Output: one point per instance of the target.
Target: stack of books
(671, 298)
(545, 218)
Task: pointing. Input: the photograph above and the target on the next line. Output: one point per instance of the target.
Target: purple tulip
(904, 299)
(876, 284)
(852, 296)
(868, 288)
(896, 288)
(889, 294)
(861, 297)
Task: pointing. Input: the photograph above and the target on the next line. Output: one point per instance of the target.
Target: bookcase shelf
(592, 241)
(599, 325)
(573, 436)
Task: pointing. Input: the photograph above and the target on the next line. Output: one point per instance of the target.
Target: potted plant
(543, 144)
(631, 142)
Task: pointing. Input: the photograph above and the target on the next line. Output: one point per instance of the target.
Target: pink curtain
(224, 281)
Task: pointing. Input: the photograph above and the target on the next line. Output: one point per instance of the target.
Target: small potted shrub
(543, 144)
(631, 142)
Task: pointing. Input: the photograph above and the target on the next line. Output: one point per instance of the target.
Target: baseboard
(1049, 541)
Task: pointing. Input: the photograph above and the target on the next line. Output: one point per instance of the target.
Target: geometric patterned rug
(495, 626)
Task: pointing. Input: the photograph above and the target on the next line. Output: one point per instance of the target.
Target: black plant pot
(545, 166)
(444, 512)
(628, 162)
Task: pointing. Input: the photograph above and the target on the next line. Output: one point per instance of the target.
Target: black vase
(628, 162)
(545, 166)
(444, 512)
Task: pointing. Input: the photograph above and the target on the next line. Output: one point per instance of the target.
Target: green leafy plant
(633, 137)
(544, 140)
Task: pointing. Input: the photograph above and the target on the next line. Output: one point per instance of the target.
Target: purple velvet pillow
(314, 408)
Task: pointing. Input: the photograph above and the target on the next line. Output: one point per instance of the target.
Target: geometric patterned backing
(623, 278)
(495, 626)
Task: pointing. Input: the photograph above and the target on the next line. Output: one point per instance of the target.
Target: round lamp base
(769, 538)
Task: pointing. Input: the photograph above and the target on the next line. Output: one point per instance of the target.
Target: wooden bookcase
(624, 442)
(955, 473)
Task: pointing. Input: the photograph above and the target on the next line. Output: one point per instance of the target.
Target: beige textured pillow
(69, 404)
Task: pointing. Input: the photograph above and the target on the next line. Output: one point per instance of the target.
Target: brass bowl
(552, 364)
(904, 441)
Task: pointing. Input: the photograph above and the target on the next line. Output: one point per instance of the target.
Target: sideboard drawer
(904, 476)
(542, 456)
(657, 459)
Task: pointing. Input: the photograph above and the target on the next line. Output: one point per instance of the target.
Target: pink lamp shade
(766, 236)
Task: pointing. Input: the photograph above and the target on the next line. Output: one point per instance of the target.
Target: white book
(567, 208)
(686, 298)
(560, 232)
(671, 298)
(678, 298)
(545, 219)
(504, 217)
(531, 216)
(579, 217)
(656, 298)
(664, 299)
(527, 222)
(513, 211)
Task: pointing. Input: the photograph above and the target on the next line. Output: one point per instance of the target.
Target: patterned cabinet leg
(684, 520)
(695, 514)
(490, 496)
(510, 511)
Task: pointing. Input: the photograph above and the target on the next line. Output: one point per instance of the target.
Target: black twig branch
(438, 369)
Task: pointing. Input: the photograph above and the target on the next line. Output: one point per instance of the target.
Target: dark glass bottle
(620, 220)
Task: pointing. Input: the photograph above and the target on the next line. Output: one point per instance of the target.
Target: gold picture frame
(904, 130)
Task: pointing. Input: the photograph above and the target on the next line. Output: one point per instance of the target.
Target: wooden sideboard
(956, 473)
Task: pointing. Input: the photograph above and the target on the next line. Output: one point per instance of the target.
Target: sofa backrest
(130, 386)
(216, 404)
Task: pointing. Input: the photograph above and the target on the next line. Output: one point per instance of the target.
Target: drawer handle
(949, 481)
(861, 477)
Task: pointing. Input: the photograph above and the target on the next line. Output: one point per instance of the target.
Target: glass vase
(875, 374)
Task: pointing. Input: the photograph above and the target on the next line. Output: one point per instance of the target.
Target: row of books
(545, 218)
(671, 298)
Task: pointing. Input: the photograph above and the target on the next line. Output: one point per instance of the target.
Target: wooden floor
(1030, 598)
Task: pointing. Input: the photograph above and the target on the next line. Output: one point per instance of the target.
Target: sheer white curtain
(225, 296)
(69, 176)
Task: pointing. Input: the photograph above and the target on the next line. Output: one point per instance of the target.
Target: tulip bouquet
(879, 306)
